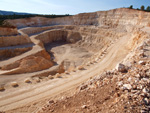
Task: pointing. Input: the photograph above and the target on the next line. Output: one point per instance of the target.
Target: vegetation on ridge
(142, 8)
(4, 17)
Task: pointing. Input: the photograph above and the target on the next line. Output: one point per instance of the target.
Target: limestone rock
(145, 90)
(27, 80)
(146, 100)
(84, 106)
(142, 62)
(127, 86)
(14, 84)
(122, 68)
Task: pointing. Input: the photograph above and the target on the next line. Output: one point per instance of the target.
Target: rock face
(14, 40)
(57, 35)
(8, 53)
(110, 18)
(8, 31)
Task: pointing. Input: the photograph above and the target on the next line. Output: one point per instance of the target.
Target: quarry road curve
(115, 54)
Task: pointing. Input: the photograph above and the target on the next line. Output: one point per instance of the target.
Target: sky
(67, 6)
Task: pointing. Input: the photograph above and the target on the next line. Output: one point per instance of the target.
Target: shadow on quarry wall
(9, 53)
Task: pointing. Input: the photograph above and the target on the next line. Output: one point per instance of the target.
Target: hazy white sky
(67, 6)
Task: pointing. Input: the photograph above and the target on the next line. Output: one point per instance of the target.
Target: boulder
(122, 68)
(127, 86)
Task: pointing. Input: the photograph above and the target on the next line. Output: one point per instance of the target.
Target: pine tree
(142, 8)
(131, 7)
(148, 8)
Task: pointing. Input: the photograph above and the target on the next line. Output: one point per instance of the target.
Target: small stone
(146, 101)
(50, 77)
(58, 75)
(66, 72)
(142, 94)
(37, 79)
(145, 90)
(43, 109)
(133, 91)
(141, 54)
(51, 101)
(27, 80)
(127, 86)
(137, 75)
(146, 80)
(134, 87)
(142, 62)
(143, 111)
(81, 68)
(14, 84)
(141, 47)
(83, 87)
(129, 79)
(84, 106)
(120, 83)
(139, 87)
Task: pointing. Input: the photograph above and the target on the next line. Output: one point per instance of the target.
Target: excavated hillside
(90, 62)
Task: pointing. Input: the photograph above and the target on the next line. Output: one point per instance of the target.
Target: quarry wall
(14, 40)
(5, 31)
(112, 18)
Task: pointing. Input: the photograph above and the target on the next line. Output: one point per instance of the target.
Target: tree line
(142, 8)
(4, 17)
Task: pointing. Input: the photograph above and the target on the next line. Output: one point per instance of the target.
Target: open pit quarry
(87, 63)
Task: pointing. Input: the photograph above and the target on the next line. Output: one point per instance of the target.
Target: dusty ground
(71, 54)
